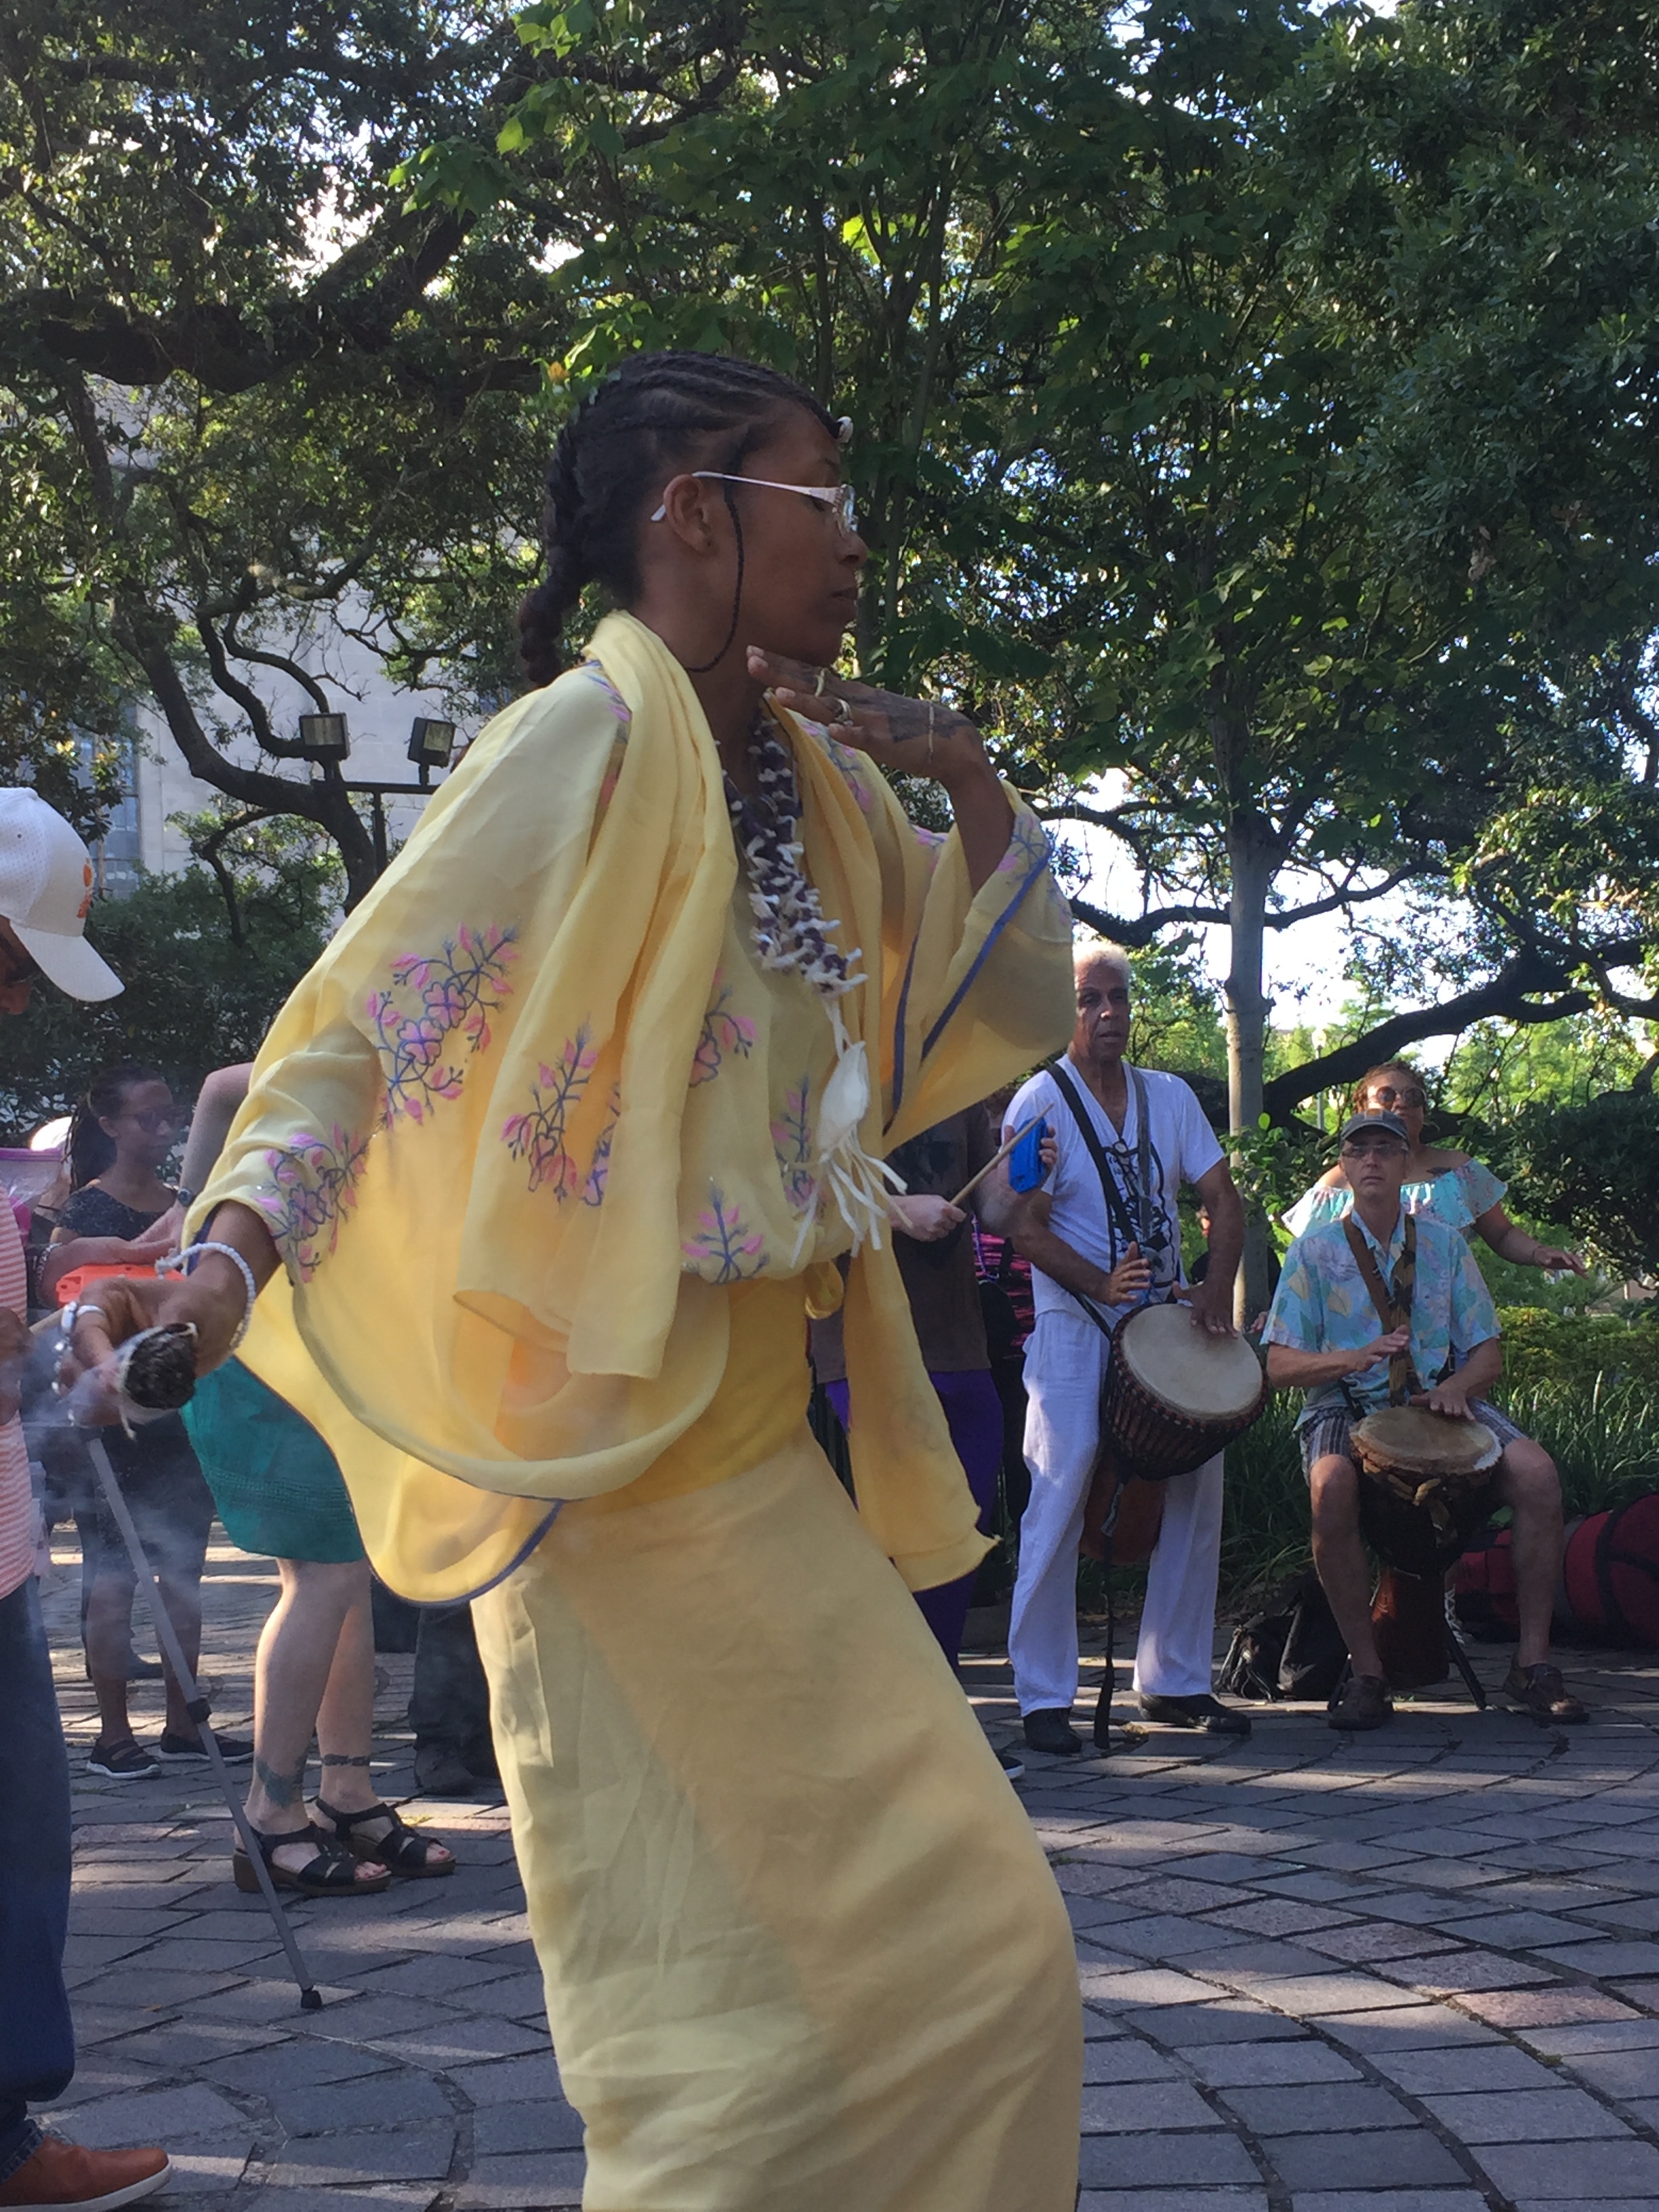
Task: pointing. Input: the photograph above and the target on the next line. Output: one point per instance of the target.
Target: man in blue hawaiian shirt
(1322, 1336)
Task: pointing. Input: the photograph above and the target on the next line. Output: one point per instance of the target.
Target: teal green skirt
(277, 1486)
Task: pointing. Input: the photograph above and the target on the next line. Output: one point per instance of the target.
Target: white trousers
(1065, 1365)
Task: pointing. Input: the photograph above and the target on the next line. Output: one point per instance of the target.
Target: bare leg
(1340, 1557)
(345, 1723)
(181, 1594)
(108, 1633)
(1528, 1484)
(296, 1657)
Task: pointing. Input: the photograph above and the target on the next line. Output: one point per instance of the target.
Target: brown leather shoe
(1540, 1692)
(65, 2174)
(1366, 1704)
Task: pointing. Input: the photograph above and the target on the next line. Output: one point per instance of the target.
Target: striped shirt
(16, 1501)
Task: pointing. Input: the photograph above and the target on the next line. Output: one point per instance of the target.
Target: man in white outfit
(1108, 1247)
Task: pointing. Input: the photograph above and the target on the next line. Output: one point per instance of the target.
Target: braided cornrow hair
(613, 456)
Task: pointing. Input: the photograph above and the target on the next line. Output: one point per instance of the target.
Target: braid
(88, 1151)
(609, 467)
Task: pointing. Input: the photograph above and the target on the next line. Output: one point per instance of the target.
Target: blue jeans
(37, 2041)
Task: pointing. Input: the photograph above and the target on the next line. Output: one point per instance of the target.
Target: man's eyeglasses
(838, 496)
(1356, 1147)
(1386, 1095)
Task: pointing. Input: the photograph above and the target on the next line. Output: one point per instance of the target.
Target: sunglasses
(1387, 1096)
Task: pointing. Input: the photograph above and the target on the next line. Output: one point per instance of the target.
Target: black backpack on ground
(1292, 1648)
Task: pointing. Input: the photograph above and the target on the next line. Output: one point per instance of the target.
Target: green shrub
(1577, 1350)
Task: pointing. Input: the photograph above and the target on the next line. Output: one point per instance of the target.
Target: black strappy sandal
(400, 1848)
(331, 1872)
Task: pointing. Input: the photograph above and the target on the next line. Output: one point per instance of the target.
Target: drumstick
(994, 1161)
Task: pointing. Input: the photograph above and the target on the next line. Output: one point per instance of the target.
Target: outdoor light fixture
(431, 744)
(323, 736)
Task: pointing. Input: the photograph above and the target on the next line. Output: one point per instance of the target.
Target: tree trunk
(1252, 858)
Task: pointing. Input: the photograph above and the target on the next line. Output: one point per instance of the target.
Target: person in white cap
(45, 890)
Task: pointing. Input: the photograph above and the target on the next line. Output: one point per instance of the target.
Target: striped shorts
(1329, 1430)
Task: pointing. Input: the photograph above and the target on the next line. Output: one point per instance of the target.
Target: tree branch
(1510, 996)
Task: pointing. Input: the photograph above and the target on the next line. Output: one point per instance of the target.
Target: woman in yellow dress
(540, 1169)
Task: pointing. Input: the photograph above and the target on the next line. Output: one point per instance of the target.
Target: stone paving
(1417, 1972)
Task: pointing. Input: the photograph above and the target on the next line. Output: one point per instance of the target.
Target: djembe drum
(1428, 1488)
(1174, 1395)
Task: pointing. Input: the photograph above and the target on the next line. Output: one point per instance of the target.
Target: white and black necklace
(790, 930)
(791, 934)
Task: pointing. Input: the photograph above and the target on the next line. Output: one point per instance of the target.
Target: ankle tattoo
(280, 1788)
(343, 1758)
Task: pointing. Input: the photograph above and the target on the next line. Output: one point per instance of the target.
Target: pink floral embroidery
(538, 1135)
(598, 1172)
(457, 990)
(791, 1143)
(723, 1033)
(724, 1248)
(314, 1179)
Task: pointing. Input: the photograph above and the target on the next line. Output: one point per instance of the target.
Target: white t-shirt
(1184, 1147)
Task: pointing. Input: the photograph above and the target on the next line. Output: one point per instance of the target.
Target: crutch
(311, 1998)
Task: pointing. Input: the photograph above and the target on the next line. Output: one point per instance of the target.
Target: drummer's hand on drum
(1212, 1307)
(1127, 1281)
(1451, 1397)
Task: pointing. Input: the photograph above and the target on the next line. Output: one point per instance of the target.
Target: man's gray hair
(1099, 952)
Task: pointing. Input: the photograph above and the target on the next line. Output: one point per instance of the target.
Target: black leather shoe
(1051, 1730)
(1207, 1713)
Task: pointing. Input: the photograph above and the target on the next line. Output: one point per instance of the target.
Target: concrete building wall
(143, 834)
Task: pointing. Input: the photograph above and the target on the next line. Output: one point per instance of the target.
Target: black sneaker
(1207, 1713)
(234, 1750)
(126, 1761)
(1012, 1764)
(1050, 1730)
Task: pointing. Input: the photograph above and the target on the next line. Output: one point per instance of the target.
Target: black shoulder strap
(1122, 1227)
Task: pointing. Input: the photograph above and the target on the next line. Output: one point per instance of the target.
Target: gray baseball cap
(1390, 1124)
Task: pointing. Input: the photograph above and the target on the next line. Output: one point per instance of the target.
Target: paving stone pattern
(1417, 1972)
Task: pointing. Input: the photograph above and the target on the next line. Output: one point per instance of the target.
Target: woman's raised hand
(913, 737)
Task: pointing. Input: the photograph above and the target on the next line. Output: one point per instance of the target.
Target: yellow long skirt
(802, 1951)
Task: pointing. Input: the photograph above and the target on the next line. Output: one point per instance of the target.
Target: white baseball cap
(46, 889)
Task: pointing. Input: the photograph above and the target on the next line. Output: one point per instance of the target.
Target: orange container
(70, 1287)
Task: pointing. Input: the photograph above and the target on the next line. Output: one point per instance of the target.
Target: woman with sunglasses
(540, 1172)
(1455, 1187)
(117, 1210)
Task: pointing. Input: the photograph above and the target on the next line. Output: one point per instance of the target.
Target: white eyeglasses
(839, 496)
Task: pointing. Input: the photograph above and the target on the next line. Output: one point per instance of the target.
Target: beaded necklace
(791, 933)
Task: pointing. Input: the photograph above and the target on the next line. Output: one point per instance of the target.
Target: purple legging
(974, 1412)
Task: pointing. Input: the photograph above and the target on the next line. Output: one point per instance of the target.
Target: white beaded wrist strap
(184, 1263)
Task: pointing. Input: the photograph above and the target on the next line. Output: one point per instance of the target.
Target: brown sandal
(331, 1872)
(400, 1848)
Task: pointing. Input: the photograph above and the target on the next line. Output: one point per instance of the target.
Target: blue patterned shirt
(1322, 1304)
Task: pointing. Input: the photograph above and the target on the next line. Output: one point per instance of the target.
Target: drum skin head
(1205, 1377)
(1414, 1441)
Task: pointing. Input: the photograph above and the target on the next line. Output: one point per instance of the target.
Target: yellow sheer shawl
(468, 1127)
